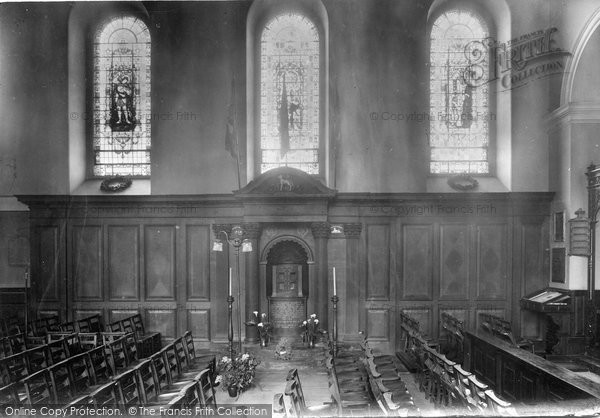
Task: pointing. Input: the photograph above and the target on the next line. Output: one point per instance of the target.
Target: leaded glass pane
(122, 112)
(459, 129)
(289, 94)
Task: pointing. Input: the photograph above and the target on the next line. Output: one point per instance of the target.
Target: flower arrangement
(311, 330)
(263, 325)
(238, 373)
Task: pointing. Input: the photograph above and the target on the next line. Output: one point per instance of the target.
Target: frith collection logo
(516, 62)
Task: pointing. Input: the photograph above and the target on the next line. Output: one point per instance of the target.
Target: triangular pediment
(285, 182)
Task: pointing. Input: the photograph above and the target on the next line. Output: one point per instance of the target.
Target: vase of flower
(236, 374)
(263, 326)
(233, 392)
(311, 330)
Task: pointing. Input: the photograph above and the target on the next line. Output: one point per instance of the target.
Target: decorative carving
(353, 230)
(251, 230)
(286, 252)
(285, 182)
(217, 228)
(320, 229)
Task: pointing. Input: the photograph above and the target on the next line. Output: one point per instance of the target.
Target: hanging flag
(284, 128)
(230, 133)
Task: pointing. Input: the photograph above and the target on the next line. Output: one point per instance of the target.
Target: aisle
(271, 374)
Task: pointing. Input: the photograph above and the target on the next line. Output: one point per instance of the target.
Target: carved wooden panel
(198, 322)
(198, 262)
(509, 380)
(159, 260)
(161, 320)
(87, 263)
(123, 262)
(378, 324)
(378, 261)
(417, 262)
(423, 316)
(47, 284)
(454, 263)
(492, 274)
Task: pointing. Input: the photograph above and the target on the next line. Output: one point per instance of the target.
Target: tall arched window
(122, 110)
(289, 94)
(459, 136)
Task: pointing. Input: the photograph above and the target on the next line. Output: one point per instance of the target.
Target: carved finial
(580, 213)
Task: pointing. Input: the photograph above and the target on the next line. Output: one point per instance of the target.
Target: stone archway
(287, 284)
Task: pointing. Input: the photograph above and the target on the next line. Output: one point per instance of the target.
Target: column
(252, 233)
(352, 232)
(318, 286)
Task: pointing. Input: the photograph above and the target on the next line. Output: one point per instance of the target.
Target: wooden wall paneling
(49, 280)
(123, 264)
(353, 279)
(493, 273)
(423, 314)
(378, 324)
(198, 262)
(532, 259)
(115, 315)
(159, 262)
(454, 262)
(378, 262)
(163, 321)
(218, 289)
(417, 262)
(86, 262)
(79, 313)
(198, 322)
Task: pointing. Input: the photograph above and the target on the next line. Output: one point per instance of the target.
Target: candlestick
(334, 287)
(230, 289)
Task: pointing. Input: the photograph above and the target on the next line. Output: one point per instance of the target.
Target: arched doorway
(287, 286)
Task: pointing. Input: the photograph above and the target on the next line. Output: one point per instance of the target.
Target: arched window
(122, 110)
(289, 94)
(459, 136)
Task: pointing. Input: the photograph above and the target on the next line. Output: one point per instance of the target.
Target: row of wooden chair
(385, 377)
(294, 404)
(446, 384)
(38, 329)
(148, 342)
(452, 338)
(146, 382)
(10, 326)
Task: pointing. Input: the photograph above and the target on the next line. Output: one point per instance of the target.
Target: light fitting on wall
(235, 238)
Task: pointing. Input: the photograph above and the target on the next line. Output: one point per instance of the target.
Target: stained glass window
(459, 112)
(122, 98)
(289, 94)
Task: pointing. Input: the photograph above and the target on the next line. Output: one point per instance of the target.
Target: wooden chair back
(38, 389)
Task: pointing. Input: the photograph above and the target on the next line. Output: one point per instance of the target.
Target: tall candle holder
(335, 300)
(230, 300)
